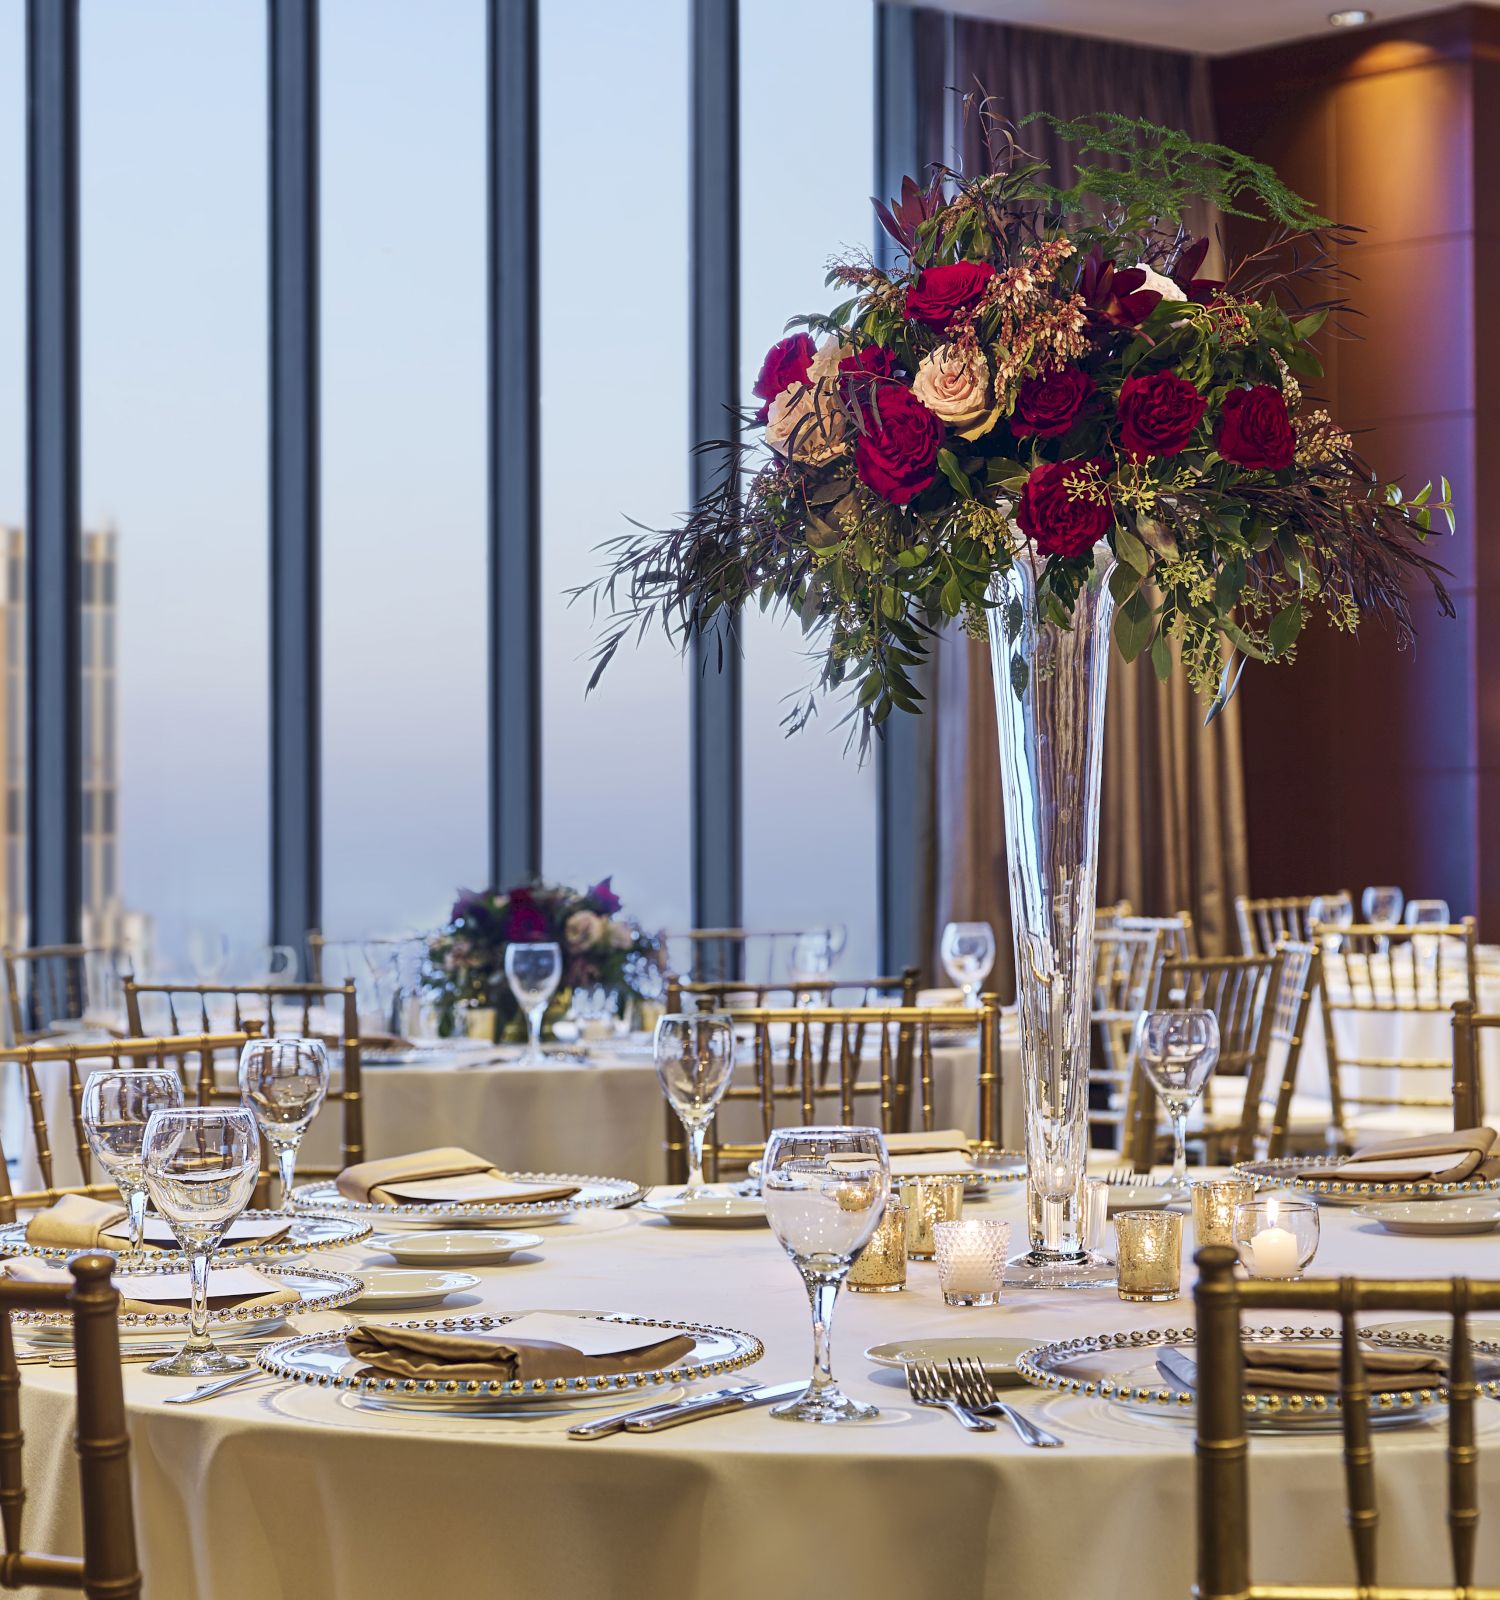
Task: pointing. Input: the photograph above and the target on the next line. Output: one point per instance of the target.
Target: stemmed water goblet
(825, 1190)
(283, 1082)
(201, 1163)
(694, 1057)
(1382, 903)
(208, 953)
(533, 972)
(968, 951)
(117, 1105)
(1177, 1050)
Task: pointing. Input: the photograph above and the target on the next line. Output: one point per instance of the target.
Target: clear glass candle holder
(1214, 1202)
(929, 1201)
(1096, 1217)
(1150, 1254)
(880, 1268)
(1276, 1237)
(971, 1260)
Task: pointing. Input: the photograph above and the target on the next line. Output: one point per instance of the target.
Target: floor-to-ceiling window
(12, 464)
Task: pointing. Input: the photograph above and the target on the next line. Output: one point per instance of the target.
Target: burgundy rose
(858, 373)
(525, 921)
(943, 295)
(604, 899)
(1158, 414)
(897, 454)
(1049, 404)
(1065, 509)
(786, 363)
(1254, 429)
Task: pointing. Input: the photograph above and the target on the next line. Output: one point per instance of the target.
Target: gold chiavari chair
(1263, 924)
(1109, 916)
(259, 1002)
(1178, 937)
(1124, 971)
(1273, 1114)
(727, 955)
(1468, 1064)
(1223, 1444)
(193, 1056)
(49, 984)
(108, 1568)
(1373, 970)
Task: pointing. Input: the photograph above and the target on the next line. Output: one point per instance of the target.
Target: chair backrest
(269, 1004)
(1468, 1064)
(1178, 936)
(1223, 1479)
(108, 1568)
(193, 1056)
(1124, 973)
(1263, 924)
(736, 955)
(1370, 969)
(49, 984)
(1109, 916)
(1266, 1126)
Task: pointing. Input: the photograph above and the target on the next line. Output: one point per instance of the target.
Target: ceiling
(1210, 27)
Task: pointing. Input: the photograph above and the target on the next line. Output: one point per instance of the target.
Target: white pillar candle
(1274, 1253)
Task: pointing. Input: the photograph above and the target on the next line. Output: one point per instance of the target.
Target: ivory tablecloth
(274, 1491)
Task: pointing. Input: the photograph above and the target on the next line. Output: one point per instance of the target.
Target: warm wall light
(1356, 18)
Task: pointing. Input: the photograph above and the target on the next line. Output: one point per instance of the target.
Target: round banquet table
(279, 1490)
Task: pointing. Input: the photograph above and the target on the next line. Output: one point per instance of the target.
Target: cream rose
(621, 935)
(1163, 286)
(807, 423)
(954, 384)
(582, 930)
(824, 366)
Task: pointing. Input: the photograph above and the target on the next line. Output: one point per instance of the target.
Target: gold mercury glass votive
(1214, 1201)
(929, 1201)
(880, 1268)
(1150, 1254)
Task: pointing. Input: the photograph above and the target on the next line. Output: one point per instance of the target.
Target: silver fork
(1127, 1178)
(928, 1389)
(971, 1383)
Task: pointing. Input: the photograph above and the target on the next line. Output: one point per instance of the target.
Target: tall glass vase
(1049, 700)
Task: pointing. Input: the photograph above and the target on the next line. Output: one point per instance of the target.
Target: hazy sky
(174, 335)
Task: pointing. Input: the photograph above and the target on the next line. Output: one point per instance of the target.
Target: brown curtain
(1173, 803)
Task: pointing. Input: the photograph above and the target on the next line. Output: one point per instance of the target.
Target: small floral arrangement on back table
(601, 949)
(1046, 367)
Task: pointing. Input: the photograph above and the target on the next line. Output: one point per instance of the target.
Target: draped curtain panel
(1173, 805)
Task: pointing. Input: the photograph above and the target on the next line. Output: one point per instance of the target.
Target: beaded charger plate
(994, 1169)
(323, 1361)
(1289, 1173)
(306, 1230)
(594, 1194)
(1121, 1368)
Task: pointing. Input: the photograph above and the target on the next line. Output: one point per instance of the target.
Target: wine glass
(968, 951)
(208, 954)
(811, 961)
(1177, 1050)
(283, 1081)
(1382, 903)
(1425, 946)
(825, 1190)
(117, 1105)
(694, 1060)
(533, 972)
(201, 1163)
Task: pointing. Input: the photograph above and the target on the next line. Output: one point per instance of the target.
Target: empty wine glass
(1430, 912)
(283, 1081)
(1382, 903)
(533, 972)
(825, 1190)
(201, 1164)
(1177, 1050)
(694, 1060)
(811, 961)
(968, 951)
(117, 1105)
(208, 954)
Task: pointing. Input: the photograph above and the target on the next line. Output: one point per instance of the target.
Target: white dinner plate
(462, 1247)
(1442, 1217)
(996, 1356)
(1142, 1197)
(392, 1289)
(710, 1211)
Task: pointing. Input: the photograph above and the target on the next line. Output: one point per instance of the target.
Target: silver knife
(708, 1406)
(604, 1426)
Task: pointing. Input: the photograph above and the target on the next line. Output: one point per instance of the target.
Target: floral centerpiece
(601, 949)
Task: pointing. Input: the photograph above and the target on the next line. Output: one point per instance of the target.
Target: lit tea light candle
(1276, 1237)
(1274, 1254)
(971, 1260)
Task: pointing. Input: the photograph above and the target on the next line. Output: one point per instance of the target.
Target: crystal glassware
(968, 952)
(929, 1201)
(811, 961)
(1150, 1252)
(1425, 946)
(825, 1190)
(1214, 1203)
(201, 1163)
(283, 1081)
(1177, 1050)
(971, 1260)
(880, 1268)
(1276, 1237)
(694, 1056)
(1382, 903)
(533, 972)
(117, 1105)
(208, 954)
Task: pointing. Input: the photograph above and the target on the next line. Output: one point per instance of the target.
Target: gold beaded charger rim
(319, 1359)
(307, 1230)
(1287, 1172)
(594, 1194)
(1043, 1367)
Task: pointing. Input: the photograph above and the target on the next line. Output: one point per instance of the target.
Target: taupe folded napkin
(243, 1287)
(538, 1345)
(74, 1221)
(941, 1141)
(446, 1176)
(1314, 1369)
(1431, 1158)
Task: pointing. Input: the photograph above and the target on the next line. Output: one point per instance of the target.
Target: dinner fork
(971, 1383)
(927, 1389)
(1127, 1178)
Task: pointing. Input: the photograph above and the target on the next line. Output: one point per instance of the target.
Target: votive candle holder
(880, 1268)
(929, 1201)
(1214, 1200)
(1276, 1237)
(971, 1260)
(1150, 1254)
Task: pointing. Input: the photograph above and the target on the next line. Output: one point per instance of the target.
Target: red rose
(1065, 509)
(857, 373)
(786, 363)
(897, 454)
(1254, 429)
(941, 295)
(1049, 404)
(526, 922)
(1158, 414)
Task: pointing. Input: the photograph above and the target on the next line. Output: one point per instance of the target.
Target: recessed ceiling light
(1356, 18)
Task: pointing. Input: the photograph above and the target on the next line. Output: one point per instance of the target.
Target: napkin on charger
(1314, 1369)
(148, 1292)
(74, 1222)
(926, 1155)
(1430, 1158)
(446, 1176)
